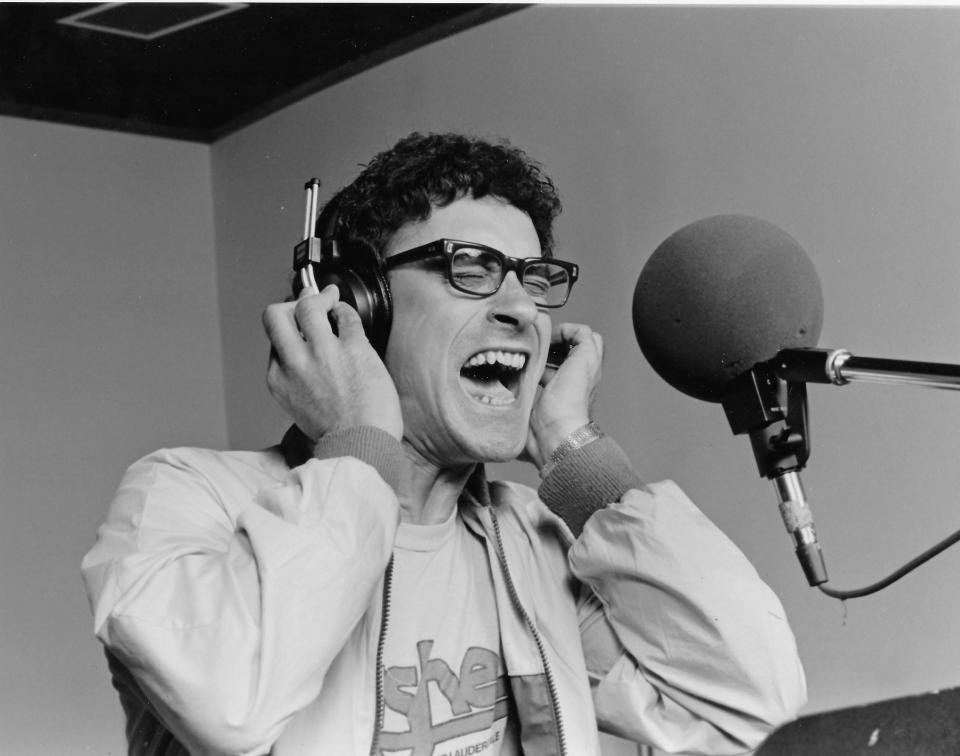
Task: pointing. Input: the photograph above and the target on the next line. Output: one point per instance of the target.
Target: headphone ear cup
(366, 290)
(380, 323)
(356, 272)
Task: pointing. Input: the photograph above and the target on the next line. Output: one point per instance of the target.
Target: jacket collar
(477, 490)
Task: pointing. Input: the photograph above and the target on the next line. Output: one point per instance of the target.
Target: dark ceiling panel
(203, 82)
(148, 20)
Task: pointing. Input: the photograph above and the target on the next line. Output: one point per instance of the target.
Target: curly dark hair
(403, 184)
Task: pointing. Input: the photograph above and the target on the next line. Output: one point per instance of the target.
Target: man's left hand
(567, 393)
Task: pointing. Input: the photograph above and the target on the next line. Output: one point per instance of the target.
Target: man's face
(466, 368)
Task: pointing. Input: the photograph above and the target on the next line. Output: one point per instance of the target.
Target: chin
(489, 445)
(491, 432)
(502, 455)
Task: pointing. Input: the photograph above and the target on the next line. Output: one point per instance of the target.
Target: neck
(429, 493)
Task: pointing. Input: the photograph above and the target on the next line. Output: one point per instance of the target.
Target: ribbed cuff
(587, 479)
(367, 443)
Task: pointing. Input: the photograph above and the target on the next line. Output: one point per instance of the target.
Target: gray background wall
(109, 347)
(842, 126)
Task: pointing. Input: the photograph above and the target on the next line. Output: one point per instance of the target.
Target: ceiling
(198, 71)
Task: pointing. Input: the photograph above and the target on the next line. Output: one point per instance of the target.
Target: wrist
(579, 436)
(549, 437)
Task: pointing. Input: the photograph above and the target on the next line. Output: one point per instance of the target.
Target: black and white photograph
(449, 379)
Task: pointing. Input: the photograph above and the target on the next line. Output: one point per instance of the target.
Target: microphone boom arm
(839, 367)
(769, 402)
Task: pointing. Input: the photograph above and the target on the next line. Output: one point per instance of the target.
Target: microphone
(719, 296)
(714, 306)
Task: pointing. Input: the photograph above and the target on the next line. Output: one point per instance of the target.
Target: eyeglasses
(480, 270)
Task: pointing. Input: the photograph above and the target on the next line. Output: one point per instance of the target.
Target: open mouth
(493, 376)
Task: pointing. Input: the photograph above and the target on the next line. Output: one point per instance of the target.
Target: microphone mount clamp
(773, 411)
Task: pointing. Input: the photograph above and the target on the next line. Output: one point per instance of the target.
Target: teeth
(498, 400)
(513, 360)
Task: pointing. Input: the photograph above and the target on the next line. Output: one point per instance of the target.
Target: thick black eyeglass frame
(445, 248)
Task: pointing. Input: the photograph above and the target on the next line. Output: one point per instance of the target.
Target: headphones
(357, 272)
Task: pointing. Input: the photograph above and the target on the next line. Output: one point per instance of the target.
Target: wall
(110, 348)
(839, 125)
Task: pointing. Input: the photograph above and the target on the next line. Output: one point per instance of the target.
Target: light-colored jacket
(241, 605)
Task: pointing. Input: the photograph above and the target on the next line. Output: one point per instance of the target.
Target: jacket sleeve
(227, 596)
(686, 647)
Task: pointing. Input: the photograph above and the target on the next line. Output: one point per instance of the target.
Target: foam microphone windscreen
(720, 295)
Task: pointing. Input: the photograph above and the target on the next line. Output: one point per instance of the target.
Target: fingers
(281, 330)
(573, 333)
(316, 326)
(318, 312)
(274, 373)
(598, 341)
(289, 324)
(578, 336)
(349, 325)
(584, 358)
(312, 311)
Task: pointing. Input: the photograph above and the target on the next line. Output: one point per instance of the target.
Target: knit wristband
(589, 479)
(369, 444)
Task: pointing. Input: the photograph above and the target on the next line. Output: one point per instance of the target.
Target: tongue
(494, 389)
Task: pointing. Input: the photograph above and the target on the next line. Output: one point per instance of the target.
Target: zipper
(515, 597)
(381, 642)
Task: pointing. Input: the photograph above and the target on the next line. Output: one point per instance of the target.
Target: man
(362, 588)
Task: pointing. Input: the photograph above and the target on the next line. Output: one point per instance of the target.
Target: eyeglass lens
(481, 272)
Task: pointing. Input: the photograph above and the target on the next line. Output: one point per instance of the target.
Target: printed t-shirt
(445, 689)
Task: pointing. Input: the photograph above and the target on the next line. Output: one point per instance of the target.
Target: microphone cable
(896, 575)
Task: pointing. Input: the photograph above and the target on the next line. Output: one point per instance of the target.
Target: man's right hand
(327, 381)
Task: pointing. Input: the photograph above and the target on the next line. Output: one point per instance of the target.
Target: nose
(512, 305)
